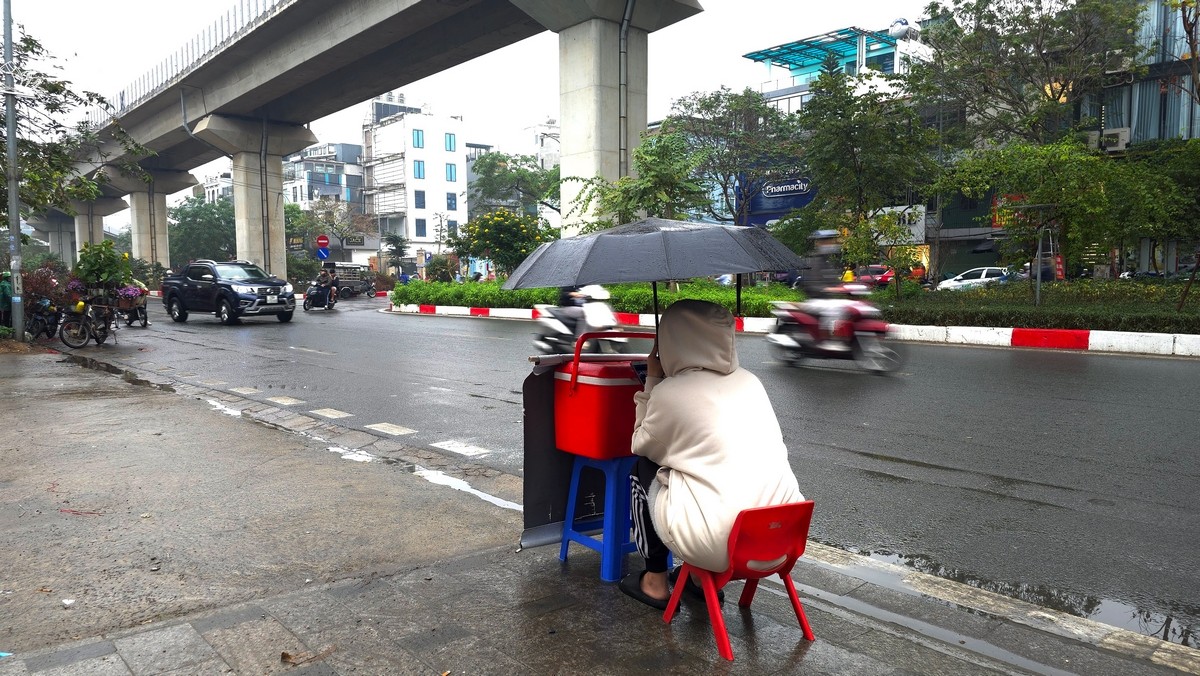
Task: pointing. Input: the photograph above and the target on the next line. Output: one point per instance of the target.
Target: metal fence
(231, 26)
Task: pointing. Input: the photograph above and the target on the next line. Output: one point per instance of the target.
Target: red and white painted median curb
(1178, 344)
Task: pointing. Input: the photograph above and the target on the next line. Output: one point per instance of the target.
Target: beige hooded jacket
(711, 427)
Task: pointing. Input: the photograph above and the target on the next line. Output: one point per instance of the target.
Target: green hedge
(637, 298)
(1101, 305)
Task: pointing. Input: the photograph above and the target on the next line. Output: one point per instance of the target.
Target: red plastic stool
(614, 525)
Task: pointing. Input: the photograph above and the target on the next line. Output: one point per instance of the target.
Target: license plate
(272, 299)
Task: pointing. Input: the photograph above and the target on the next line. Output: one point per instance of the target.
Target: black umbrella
(654, 250)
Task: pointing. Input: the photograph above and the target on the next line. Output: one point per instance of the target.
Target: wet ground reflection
(1178, 624)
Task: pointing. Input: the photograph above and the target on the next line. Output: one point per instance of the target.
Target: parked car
(874, 275)
(973, 278)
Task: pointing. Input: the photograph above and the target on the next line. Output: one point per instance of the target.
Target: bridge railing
(239, 20)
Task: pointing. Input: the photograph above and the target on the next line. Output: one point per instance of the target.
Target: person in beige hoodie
(709, 445)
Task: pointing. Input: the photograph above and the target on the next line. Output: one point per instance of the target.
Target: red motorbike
(832, 328)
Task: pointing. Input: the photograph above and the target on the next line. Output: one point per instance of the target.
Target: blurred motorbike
(557, 328)
(841, 326)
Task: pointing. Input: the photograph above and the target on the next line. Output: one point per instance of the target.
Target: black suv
(230, 290)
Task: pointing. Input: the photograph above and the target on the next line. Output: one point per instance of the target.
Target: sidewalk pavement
(220, 535)
(1176, 344)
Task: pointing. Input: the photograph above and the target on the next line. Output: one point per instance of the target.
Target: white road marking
(285, 401)
(212, 383)
(245, 390)
(331, 413)
(309, 349)
(218, 406)
(389, 428)
(349, 454)
(434, 476)
(461, 448)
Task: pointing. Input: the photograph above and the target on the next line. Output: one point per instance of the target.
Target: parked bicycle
(91, 319)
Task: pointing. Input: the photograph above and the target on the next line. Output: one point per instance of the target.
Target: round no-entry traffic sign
(322, 241)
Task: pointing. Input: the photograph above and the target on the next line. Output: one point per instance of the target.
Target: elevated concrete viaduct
(284, 63)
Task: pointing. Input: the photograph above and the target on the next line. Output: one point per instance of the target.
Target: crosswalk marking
(284, 401)
(245, 390)
(331, 413)
(389, 428)
(461, 448)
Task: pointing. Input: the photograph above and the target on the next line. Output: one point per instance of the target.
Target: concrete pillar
(257, 149)
(58, 230)
(148, 199)
(89, 218)
(602, 82)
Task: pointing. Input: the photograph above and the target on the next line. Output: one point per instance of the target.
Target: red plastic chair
(772, 536)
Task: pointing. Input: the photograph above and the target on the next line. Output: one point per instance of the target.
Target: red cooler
(593, 403)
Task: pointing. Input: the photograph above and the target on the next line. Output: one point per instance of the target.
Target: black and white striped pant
(649, 545)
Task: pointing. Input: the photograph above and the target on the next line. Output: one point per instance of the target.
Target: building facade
(415, 170)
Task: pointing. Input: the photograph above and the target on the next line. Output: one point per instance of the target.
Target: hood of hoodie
(696, 334)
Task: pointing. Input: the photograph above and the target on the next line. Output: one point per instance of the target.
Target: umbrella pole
(739, 295)
(654, 288)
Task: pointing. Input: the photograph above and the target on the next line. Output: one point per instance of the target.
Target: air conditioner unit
(1114, 140)
(1116, 62)
(1093, 140)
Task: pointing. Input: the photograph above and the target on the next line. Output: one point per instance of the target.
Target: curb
(1165, 344)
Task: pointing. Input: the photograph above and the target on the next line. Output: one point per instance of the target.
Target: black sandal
(631, 585)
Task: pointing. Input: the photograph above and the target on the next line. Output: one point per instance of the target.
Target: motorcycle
(312, 298)
(137, 313)
(43, 320)
(832, 328)
(556, 328)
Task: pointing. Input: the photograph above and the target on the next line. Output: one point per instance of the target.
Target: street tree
(665, 185)
(1082, 197)
(1016, 69)
(200, 229)
(395, 248)
(340, 221)
(739, 143)
(868, 154)
(502, 236)
(49, 146)
(514, 182)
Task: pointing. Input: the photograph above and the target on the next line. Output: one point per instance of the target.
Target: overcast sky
(103, 46)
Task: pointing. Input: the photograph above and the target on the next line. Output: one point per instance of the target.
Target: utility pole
(14, 195)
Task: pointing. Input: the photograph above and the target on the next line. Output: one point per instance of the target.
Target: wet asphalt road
(1065, 479)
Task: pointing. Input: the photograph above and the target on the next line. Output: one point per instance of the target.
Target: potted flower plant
(102, 269)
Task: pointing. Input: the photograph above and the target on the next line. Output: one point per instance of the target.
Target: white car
(975, 277)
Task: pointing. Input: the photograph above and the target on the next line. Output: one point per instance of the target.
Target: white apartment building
(415, 174)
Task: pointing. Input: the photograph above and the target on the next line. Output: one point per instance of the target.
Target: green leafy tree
(665, 186)
(340, 221)
(395, 248)
(1017, 69)
(867, 152)
(441, 268)
(505, 237)
(299, 224)
(738, 142)
(200, 229)
(515, 182)
(302, 268)
(1083, 197)
(48, 148)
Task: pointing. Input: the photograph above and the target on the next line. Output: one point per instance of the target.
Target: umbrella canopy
(653, 250)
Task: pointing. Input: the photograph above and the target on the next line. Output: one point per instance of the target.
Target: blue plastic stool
(614, 525)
